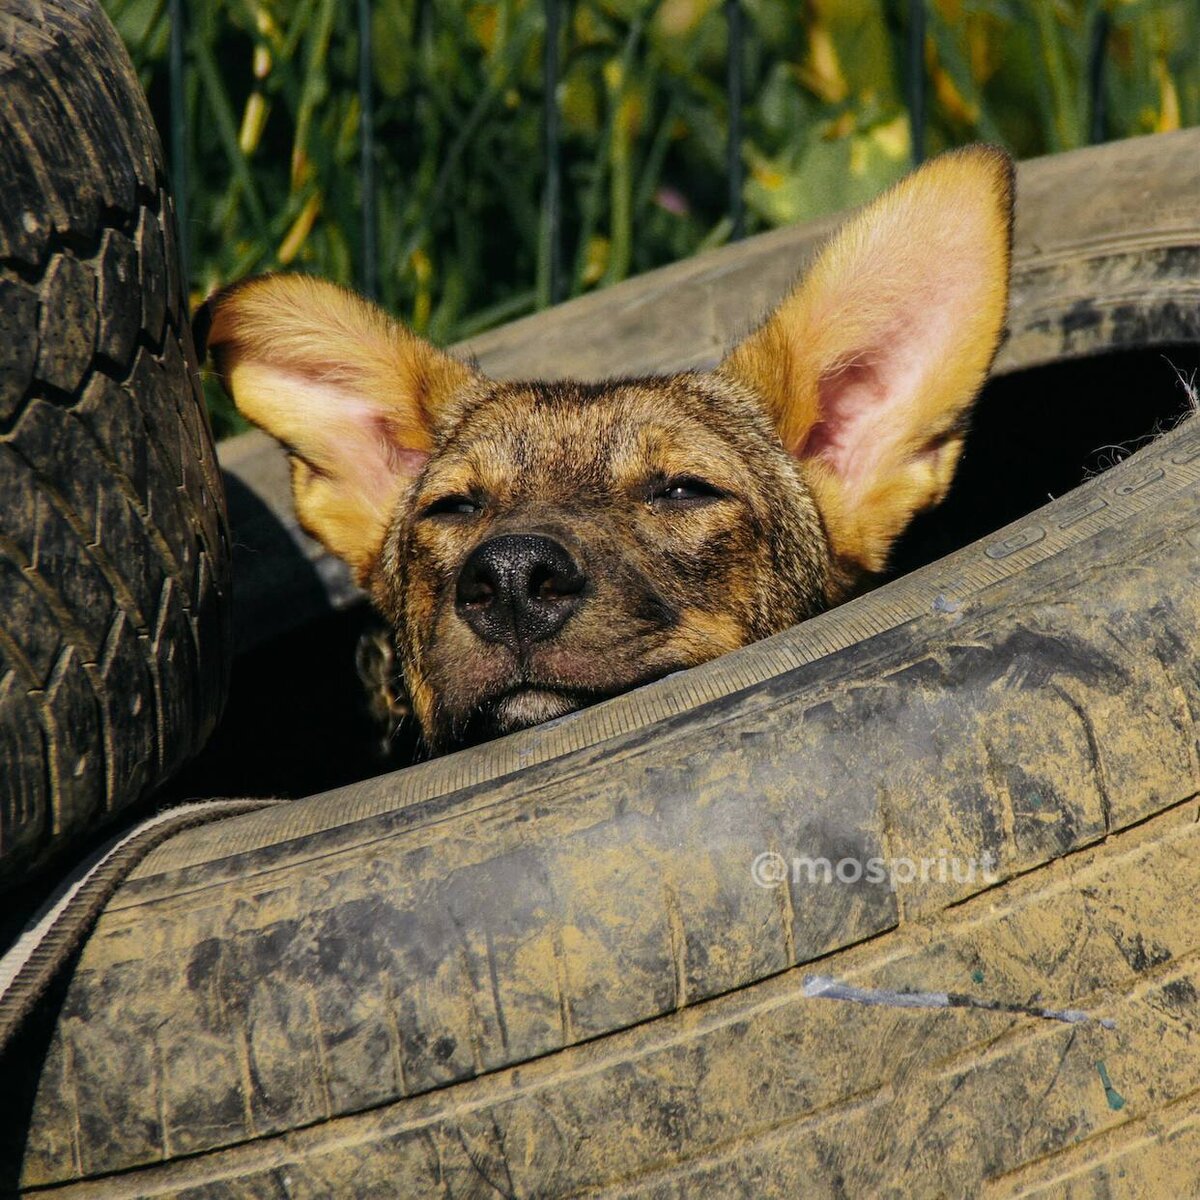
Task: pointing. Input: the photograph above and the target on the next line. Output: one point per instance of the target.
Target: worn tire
(114, 557)
(542, 967)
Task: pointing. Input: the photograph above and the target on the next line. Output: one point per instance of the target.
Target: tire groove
(127, 533)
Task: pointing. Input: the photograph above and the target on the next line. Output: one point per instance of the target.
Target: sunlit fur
(667, 589)
(884, 346)
(823, 432)
(351, 393)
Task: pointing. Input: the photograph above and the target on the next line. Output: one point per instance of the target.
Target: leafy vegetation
(273, 126)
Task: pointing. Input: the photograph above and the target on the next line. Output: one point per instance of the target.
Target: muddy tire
(560, 964)
(114, 561)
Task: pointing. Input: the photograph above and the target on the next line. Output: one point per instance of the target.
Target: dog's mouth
(529, 704)
(519, 707)
(524, 704)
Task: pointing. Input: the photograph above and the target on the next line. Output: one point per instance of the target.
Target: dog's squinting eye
(682, 491)
(452, 506)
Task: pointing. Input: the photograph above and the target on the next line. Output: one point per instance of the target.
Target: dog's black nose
(519, 588)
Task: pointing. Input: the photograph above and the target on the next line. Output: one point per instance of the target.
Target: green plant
(273, 126)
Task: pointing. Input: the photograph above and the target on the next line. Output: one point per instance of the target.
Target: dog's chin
(531, 706)
(513, 710)
(522, 704)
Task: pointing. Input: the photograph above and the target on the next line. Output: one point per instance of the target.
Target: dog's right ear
(352, 395)
(869, 368)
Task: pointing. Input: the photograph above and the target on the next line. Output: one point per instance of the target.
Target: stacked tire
(114, 554)
(552, 965)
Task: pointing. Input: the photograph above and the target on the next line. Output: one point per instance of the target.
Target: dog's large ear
(351, 394)
(870, 366)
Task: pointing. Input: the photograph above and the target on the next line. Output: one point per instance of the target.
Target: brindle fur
(579, 463)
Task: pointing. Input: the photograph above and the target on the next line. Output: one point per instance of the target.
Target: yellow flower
(821, 72)
(894, 138)
(254, 117)
(484, 20)
(1168, 99)
(422, 269)
(766, 175)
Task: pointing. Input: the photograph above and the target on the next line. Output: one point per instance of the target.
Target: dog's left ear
(870, 366)
(353, 396)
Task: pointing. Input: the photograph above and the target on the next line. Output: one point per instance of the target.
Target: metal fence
(914, 91)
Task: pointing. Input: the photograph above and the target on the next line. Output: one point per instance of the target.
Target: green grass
(273, 126)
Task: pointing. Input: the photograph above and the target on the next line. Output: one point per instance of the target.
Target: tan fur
(815, 442)
(297, 353)
(933, 249)
(703, 635)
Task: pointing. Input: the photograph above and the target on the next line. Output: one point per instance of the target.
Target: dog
(536, 547)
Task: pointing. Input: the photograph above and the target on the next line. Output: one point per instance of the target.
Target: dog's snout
(519, 588)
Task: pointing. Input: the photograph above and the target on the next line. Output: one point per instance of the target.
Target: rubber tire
(114, 553)
(543, 965)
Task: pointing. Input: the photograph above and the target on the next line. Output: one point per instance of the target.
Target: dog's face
(539, 546)
(567, 542)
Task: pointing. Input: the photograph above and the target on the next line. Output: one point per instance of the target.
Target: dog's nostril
(547, 584)
(477, 584)
(478, 594)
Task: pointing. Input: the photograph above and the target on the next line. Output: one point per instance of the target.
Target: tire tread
(114, 558)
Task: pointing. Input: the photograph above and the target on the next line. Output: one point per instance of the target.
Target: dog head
(538, 546)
